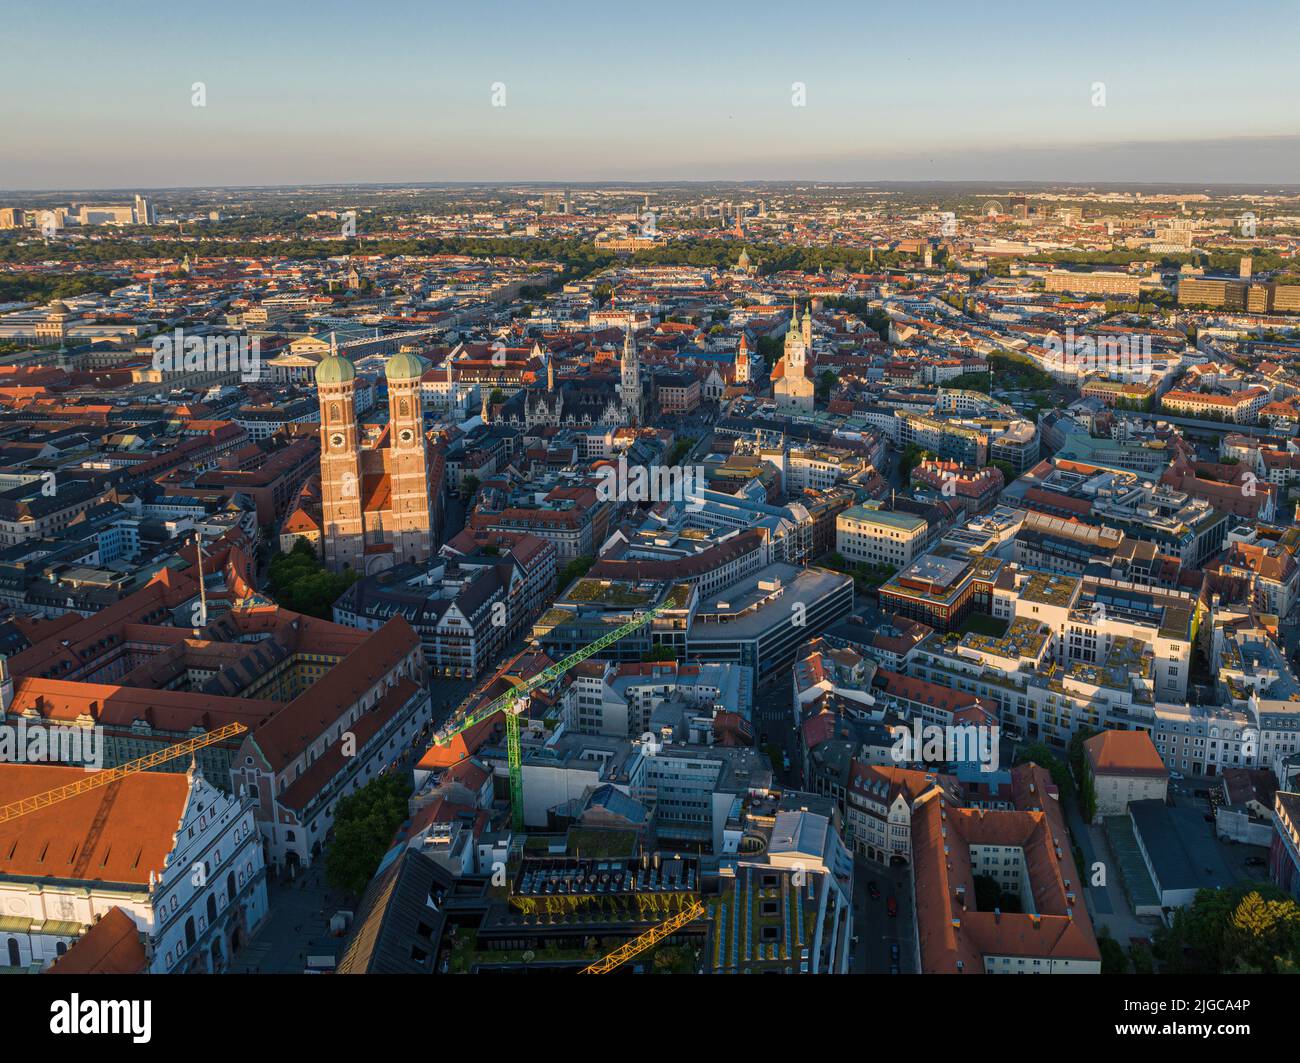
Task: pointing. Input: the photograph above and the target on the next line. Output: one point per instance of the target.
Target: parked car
(873, 890)
(1176, 775)
(893, 969)
(891, 907)
(893, 951)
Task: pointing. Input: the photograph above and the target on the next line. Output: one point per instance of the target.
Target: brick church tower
(408, 461)
(343, 533)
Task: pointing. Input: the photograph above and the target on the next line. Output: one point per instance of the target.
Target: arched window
(14, 960)
(189, 932)
(212, 907)
(230, 887)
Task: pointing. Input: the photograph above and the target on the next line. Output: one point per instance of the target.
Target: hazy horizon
(437, 93)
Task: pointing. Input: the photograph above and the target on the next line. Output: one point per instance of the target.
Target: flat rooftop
(1050, 588)
(887, 518)
(744, 610)
(1181, 846)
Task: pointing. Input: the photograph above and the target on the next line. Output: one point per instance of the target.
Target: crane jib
(506, 701)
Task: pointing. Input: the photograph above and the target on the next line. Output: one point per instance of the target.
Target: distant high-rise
(144, 214)
(1246, 268)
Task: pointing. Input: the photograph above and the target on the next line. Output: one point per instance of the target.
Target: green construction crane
(513, 703)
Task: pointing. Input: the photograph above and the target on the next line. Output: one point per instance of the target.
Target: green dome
(335, 370)
(404, 366)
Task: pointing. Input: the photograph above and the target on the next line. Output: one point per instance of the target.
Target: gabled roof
(114, 945)
(399, 923)
(130, 826)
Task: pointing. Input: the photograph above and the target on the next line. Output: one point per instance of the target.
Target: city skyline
(421, 93)
(689, 490)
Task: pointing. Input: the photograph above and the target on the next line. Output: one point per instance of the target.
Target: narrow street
(296, 926)
(876, 930)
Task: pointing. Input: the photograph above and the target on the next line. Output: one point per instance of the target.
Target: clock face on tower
(406, 436)
(337, 440)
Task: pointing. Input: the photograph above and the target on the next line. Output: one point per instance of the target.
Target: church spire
(630, 378)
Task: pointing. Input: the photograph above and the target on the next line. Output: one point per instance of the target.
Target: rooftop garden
(585, 841)
(602, 593)
(1050, 589)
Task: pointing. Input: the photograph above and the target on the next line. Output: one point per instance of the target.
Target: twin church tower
(379, 499)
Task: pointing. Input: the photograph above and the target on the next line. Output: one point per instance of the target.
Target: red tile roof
(112, 946)
(141, 815)
(1124, 753)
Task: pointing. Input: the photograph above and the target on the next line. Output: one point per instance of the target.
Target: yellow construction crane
(648, 940)
(111, 775)
(513, 703)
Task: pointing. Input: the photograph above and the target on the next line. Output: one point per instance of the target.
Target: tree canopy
(364, 825)
(298, 581)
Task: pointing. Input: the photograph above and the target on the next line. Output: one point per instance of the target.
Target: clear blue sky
(99, 95)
